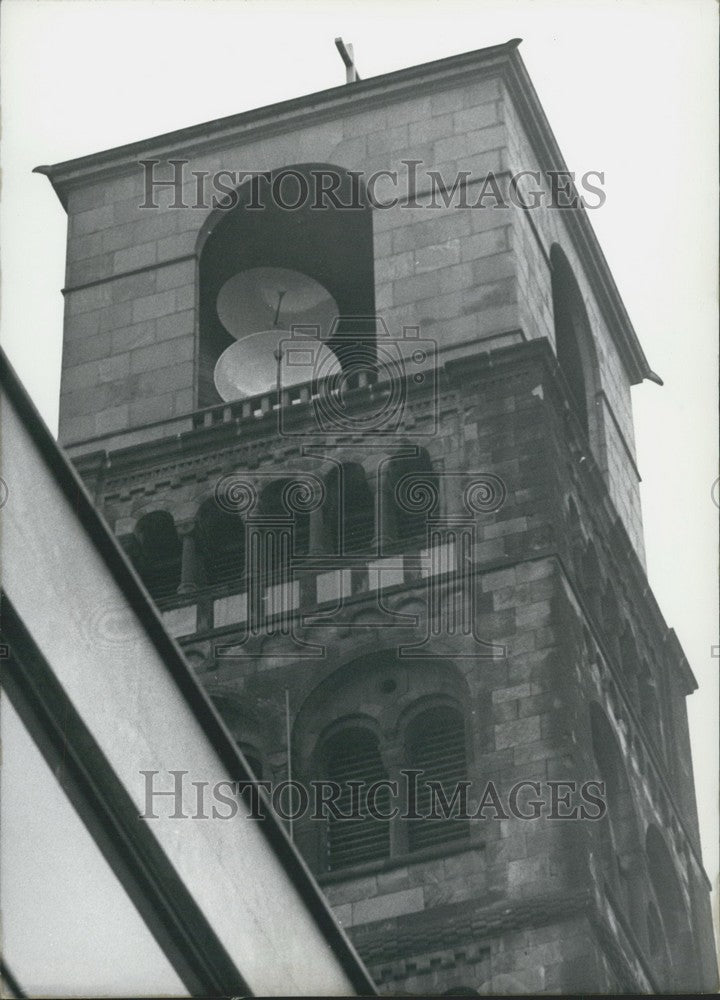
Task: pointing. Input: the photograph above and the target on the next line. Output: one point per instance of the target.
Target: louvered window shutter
(354, 755)
(435, 745)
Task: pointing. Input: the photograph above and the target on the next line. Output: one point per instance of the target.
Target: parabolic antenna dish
(264, 298)
(251, 365)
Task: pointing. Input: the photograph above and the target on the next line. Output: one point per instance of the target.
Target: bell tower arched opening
(287, 254)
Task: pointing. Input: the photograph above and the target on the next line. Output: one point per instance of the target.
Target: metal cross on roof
(347, 56)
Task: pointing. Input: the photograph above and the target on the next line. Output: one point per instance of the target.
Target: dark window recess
(157, 554)
(436, 746)
(409, 478)
(349, 509)
(221, 537)
(573, 335)
(276, 508)
(332, 247)
(353, 755)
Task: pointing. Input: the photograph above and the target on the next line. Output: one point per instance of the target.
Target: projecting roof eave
(276, 118)
(503, 60)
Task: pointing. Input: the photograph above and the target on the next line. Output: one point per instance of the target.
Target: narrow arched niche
(574, 344)
(319, 241)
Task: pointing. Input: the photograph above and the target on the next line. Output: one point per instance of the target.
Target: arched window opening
(275, 508)
(158, 554)
(352, 759)
(435, 745)
(380, 715)
(573, 336)
(410, 497)
(222, 542)
(295, 262)
(349, 509)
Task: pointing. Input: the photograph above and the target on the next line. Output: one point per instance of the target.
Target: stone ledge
(455, 924)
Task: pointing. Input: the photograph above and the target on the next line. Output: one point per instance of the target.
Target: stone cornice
(459, 924)
(273, 119)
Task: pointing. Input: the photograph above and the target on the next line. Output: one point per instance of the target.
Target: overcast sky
(629, 89)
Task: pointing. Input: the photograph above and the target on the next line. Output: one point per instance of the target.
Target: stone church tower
(365, 431)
